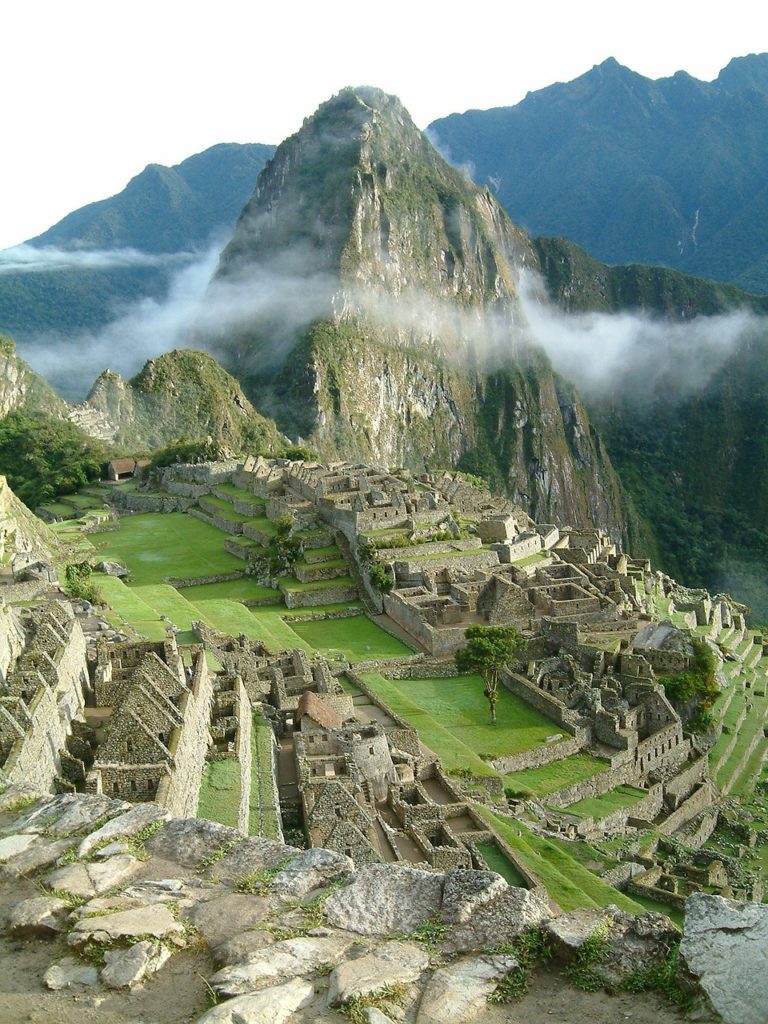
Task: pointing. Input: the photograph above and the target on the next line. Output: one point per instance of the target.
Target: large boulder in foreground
(725, 947)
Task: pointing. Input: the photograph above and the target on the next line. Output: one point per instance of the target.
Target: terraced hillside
(189, 567)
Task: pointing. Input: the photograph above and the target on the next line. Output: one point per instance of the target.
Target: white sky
(96, 89)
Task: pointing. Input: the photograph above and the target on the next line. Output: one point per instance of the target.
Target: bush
(380, 577)
(697, 681)
(78, 583)
(183, 450)
(44, 457)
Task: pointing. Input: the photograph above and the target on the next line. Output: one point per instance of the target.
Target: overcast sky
(96, 89)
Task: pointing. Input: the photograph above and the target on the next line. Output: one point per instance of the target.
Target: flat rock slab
(270, 1006)
(10, 846)
(70, 973)
(725, 946)
(498, 922)
(126, 968)
(465, 891)
(240, 948)
(192, 842)
(286, 959)
(385, 899)
(88, 880)
(36, 857)
(39, 917)
(221, 918)
(128, 824)
(392, 963)
(155, 922)
(459, 993)
(311, 869)
(569, 931)
(250, 857)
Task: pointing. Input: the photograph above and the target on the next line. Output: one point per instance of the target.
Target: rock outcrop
(392, 942)
(724, 947)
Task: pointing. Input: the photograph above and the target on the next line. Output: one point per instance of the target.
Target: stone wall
(538, 756)
(189, 745)
(220, 522)
(444, 640)
(595, 786)
(42, 723)
(324, 595)
(463, 561)
(194, 581)
(11, 640)
(681, 786)
(137, 501)
(701, 798)
(546, 704)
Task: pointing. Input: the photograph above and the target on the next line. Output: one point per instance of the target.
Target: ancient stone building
(155, 718)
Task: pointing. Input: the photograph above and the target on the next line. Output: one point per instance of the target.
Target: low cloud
(634, 356)
(29, 258)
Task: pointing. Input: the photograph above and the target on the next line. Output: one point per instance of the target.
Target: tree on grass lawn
(489, 649)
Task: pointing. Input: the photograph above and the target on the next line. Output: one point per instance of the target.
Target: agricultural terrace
(160, 546)
(452, 719)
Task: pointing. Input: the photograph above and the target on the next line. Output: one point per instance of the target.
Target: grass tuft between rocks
(354, 1008)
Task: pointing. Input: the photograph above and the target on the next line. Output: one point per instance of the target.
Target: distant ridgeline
(165, 215)
(671, 171)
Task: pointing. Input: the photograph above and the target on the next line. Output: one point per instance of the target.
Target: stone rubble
(312, 915)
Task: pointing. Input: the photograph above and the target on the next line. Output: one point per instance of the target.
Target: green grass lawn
(599, 806)
(244, 589)
(455, 755)
(263, 525)
(358, 638)
(501, 864)
(220, 792)
(264, 815)
(155, 545)
(551, 777)
(567, 881)
(459, 706)
(128, 606)
(238, 492)
(167, 601)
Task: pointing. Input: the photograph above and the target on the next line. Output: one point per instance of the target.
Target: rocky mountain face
(397, 335)
(22, 390)
(671, 171)
(169, 213)
(183, 394)
(23, 537)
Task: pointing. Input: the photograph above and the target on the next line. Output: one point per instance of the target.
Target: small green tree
(489, 649)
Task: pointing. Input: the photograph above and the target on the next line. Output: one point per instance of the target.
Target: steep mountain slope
(166, 212)
(183, 394)
(391, 328)
(167, 209)
(695, 464)
(671, 171)
(22, 390)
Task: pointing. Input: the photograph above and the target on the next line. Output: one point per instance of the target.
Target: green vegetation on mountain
(164, 211)
(183, 396)
(23, 390)
(695, 466)
(45, 457)
(670, 171)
